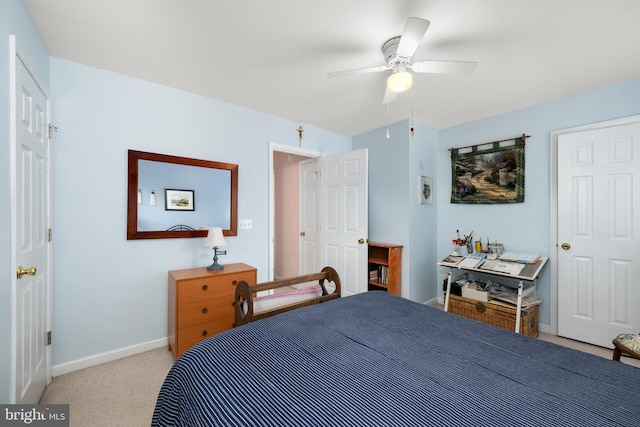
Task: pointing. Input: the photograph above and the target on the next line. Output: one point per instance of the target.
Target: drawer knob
(235, 282)
(480, 308)
(204, 310)
(205, 287)
(204, 333)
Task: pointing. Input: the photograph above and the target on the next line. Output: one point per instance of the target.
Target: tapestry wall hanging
(488, 173)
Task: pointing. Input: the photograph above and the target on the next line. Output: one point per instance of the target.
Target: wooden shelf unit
(386, 260)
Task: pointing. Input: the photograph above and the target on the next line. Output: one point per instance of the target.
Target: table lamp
(214, 240)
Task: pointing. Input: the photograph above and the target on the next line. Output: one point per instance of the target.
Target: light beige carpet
(119, 393)
(123, 393)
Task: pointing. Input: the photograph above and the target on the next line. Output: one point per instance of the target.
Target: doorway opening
(284, 208)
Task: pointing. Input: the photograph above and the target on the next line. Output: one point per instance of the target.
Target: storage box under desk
(496, 313)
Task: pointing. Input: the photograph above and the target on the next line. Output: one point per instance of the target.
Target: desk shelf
(523, 283)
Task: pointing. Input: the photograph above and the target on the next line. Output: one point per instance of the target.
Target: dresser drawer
(204, 311)
(193, 290)
(194, 334)
(200, 303)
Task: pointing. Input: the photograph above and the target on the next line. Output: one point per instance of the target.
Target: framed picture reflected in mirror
(179, 200)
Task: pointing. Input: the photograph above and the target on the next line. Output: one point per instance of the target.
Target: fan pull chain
(388, 135)
(411, 130)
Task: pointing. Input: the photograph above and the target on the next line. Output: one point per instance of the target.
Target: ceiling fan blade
(358, 71)
(389, 96)
(412, 34)
(444, 67)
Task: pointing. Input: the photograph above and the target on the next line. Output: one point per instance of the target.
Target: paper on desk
(470, 262)
(520, 257)
(507, 267)
(503, 267)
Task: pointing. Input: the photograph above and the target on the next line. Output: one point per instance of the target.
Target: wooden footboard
(245, 294)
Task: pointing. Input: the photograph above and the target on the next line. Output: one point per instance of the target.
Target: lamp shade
(215, 239)
(400, 81)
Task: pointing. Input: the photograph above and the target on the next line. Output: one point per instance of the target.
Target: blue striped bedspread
(374, 359)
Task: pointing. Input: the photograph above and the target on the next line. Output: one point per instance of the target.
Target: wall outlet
(245, 224)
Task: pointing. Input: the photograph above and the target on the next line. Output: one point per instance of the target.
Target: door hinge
(50, 235)
(51, 129)
(49, 338)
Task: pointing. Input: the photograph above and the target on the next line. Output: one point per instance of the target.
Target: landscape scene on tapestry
(491, 176)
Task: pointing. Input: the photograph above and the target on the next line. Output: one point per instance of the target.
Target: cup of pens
(463, 246)
(470, 246)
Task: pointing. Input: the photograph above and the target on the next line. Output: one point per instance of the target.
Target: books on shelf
(379, 274)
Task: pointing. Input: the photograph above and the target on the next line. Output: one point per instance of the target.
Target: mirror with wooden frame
(172, 197)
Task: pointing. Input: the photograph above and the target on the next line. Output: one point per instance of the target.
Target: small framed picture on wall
(426, 190)
(179, 200)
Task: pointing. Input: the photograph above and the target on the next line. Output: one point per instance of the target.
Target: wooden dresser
(201, 303)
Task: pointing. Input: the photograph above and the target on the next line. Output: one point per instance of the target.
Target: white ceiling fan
(398, 53)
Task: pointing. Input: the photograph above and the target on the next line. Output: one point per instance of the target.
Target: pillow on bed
(285, 296)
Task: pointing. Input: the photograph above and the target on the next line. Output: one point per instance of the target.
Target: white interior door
(598, 233)
(343, 207)
(308, 201)
(32, 290)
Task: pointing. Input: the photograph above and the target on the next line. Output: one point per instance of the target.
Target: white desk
(529, 273)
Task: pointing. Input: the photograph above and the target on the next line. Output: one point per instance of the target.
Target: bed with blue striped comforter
(374, 359)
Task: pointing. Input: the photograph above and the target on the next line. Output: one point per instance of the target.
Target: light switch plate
(246, 224)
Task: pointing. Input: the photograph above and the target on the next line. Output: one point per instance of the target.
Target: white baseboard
(433, 301)
(109, 356)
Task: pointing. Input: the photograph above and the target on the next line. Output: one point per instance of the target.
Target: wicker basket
(496, 314)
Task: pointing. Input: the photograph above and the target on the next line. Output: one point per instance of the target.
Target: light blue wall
(14, 19)
(427, 230)
(524, 226)
(395, 216)
(110, 293)
(423, 219)
(388, 182)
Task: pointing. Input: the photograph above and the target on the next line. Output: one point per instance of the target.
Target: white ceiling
(274, 55)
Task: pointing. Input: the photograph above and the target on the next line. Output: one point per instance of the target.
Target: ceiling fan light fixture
(400, 81)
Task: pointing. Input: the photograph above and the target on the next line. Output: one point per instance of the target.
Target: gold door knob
(565, 246)
(362, 241)
(302, 233)
(31, 271)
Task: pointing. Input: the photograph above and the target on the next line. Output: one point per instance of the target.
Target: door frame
(553, 250)
(15, 56)
(289, 149)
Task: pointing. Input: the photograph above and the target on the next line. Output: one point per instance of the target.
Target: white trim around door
(553, 183)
